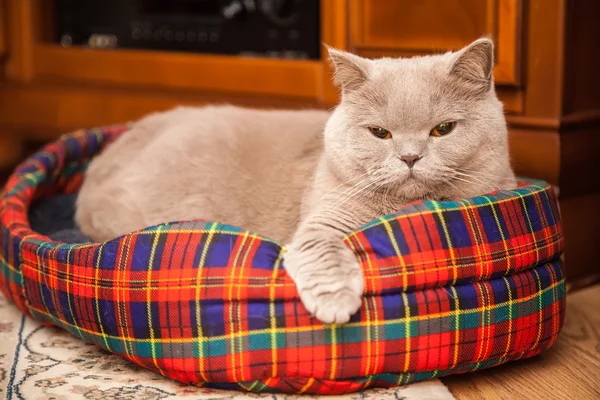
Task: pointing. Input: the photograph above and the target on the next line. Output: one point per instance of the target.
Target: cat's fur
(309, 177)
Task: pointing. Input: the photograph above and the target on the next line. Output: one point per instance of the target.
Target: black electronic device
(271, 28)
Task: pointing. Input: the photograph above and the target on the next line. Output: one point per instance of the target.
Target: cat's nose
(410, 159)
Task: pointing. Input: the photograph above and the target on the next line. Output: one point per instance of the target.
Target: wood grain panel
(334, 33)
(47, 111)
(22, 16)
(509, 39)
(132, 68)
(545, 42)
(536, 154)
(581, 78)
(422, 26)
(381, 27)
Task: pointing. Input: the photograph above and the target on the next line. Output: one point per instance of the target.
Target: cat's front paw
(330, 282)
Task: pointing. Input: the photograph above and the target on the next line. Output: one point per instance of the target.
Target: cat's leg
(325, 270)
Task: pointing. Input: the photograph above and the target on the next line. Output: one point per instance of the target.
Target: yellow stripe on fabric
(260, 282)
(369, 341)
(231, 301)
(540, 209)
(447, 235)
(555, 310)
(532, 231)
(510, 318)
(456, 327)
(369, 318)
(54, 280)
(39, 276)
(487, 317)
(239, 308)
(273, 327)
(129, 247)
(479, 241)
(482, 293)
(73, 316)
(392, 238)
(118, 292)
(495, 214)
(171, 229)
(201, 338)
(538, 282)
(480, 343)
(332, 372)
(149, 301)
(317, 328)
(407, 325)
(97, 296)
(307, 385)
(123, 313)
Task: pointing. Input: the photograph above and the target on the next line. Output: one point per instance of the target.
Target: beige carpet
(38, 362)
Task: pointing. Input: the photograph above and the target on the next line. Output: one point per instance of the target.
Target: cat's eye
(380, 132)
(443, 129)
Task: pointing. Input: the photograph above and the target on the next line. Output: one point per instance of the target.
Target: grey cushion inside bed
(55, 217)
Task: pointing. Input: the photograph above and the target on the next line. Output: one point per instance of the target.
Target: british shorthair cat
(426, 127)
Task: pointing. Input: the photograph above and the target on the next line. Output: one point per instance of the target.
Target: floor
(569, 370)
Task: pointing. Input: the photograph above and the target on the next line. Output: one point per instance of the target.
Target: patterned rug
(38, 362)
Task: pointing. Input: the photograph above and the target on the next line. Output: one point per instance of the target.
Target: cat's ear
(475, 63)
(351, 71)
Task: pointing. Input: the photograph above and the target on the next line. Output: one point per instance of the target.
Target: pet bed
(450, 287)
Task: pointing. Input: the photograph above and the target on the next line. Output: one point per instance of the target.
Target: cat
(427, 127)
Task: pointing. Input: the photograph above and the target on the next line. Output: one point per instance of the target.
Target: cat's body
(245, 167)
(406, 129)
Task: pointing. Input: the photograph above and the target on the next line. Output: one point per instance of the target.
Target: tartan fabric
(451, 287)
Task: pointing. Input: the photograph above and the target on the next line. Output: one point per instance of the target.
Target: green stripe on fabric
(10, 273)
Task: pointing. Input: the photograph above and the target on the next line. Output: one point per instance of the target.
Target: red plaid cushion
(450, 287)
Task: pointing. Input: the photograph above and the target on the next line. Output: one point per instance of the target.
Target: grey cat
(406, 129)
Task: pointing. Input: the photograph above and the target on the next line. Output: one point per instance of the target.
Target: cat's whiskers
(471, 179)
(468, 176)
(360, 177)
(357, 192)
(461, 192)
(351, 190)
(481, 177)
(470, 172)
(386, 194)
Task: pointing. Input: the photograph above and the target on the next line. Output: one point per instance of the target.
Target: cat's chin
(411, 188)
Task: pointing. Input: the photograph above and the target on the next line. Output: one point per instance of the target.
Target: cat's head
(424, 127)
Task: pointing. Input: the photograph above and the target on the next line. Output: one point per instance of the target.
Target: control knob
(281, 12)
(237, 9)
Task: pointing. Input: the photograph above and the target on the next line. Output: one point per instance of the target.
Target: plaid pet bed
(451, 287)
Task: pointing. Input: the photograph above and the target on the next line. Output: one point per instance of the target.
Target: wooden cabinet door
(409, 27)
(3, 46)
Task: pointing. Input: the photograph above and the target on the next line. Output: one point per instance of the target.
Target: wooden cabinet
(405, 28)
(10, 145)
(545, 72)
